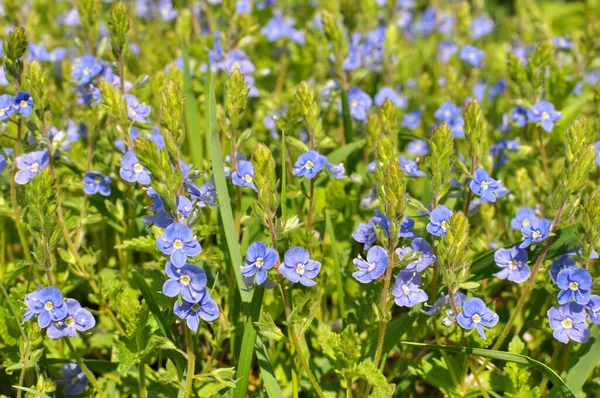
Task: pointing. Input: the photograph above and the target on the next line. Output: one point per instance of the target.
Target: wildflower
(476, 315)
(499, 149)
(136, 111)
(388, 92)
(522, 218)
(96, 183)
(298, 267)
(444, 301)
(544, 113)
(569, 323)
(562, 43)
(279, 27)
(593, 308)
(410, 167)
(205, 195)
(359, 102)
(6, 107)
(472, 55)
(206, 309)
(366, 234)
(438, 221)
(513, 263)
(406, 289)
(574, 285)
(48, 303)
(481, 26)
(417, 148)
(259, 260)
(447, 112)
(519, 115)
(309, 164)
(561, 263)
(426, 22)
(77, 320)
(132, 171)
(412, 119)
(73, 378)
(188, 280)
(337, 171)
(536, 231)
(446, 50)
(483, 185)
(423, 255)
(597, 145)
(30, 165)
(237, 59)
(243, 176)
(84, 69)
(406, 228)
(23, 103)
(179, 242)
(3, 161)
(373, 268)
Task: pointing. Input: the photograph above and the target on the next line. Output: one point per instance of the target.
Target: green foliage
(118, 26)
(439, 161)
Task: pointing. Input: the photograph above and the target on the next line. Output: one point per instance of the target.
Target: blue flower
(406, 228)
(483, 185)
(205, 195)
(23, 103)
(444, 301)
(569, 323)
(366, 234)
(481, 26)
(536, 231)
(373, 268)
(136, 111)
(447, 112)
(423, 255)
(476, 315)
(439, 221)
(417, 148)
(499, 150)
(519, 115)
(279, 27)
(544, 113)
(309, 164)
(96, 183)
(561, 263)
(3, 163)
(593, 308)
(206, 309)
(243, 7)
(513, 262)
(522, 218)
(298, 267)
(359, 102)
(388, 92)
(30, 165)
(426, 22)
(73, 378)
(47, 303)
(84, 69)
(188, 280)
(179, 242)
(6, 107)
(574, 285)
(337, 171)
(412, 119)
(77, 320)
(237, 59)
(457, 127)
(562, 43)
(243, 176)
(410, 167)
(132, 171)
(406, 290)
(166, 11)
(259, 260)
(472, 55)
(446, 50)
(597, 145)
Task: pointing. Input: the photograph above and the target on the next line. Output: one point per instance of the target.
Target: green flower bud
(236, 101)
(391, 185)
(37, 81)
(265, 179)
(309, 107)
(89, 15)
(577, 137)
(171, 119)
(15, 44)
(439, 162)
(374, 129)
(118, 26)
(335, 35)
(454, 254)
(589, 234)
(389, 119)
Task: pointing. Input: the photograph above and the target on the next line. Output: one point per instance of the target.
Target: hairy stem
(13, 196)
(311, 209)
(383, 319)
(191, 357)
(86, 370)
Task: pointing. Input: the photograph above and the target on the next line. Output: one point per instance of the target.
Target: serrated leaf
(266, 327)
(367, 371)
(146, 244)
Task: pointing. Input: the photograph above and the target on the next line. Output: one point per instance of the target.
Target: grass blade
(342, 153)
(266, 370)
(152, 304)
(504, 356)
(336, 262)
(192, 115)
(32, 392)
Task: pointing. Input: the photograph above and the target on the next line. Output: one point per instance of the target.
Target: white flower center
(178, 244)
(300, 269)
(525, 222)
(405, 289)
(353, 103)
(2, 112)
(536, 234)
(248, 178)
(476, 318)
(484, 185)
(259, 262)
(371, 267)
(309, 164)
(48, 306)
(70, 322)
(34, 167)
(138, 168)
(447, 113)
(512, 265)
(185, 280)
(86, 71)
(545, 115)
(567, 323)
(23, 104)
(574, 286)
(445, 225)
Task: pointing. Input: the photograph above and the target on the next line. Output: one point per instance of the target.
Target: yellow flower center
(545, 115)
(445, 225)
(405, 289)
(512, 265)
(23, 104)
(567, 323)
(574, 286)
(185, 280)
(354, 103)
(536, 234)
(138, 168)
(34, 167)
(300, 269)
(525, 222)
(48, 306)
(248, 178)
(476, 318)
(178, 244)
(259, 262)
(70, 322)
(86, 71)
(2, 112)
(484, 185)
(309, 164)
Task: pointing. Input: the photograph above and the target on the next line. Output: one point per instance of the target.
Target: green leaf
(192, 115)
(336, 263)
(266, 370)
(347, 119)
(559, 384)
(367, 371)
(342, 153)
(32, 391)
(393, 333)
(152, 304)
(565, 240)
(146, 244)
(583, 364)
(267, 327)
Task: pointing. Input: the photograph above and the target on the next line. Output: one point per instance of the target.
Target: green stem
(142, 371)
(85, 369)
(191, 357)
(383, 320)
(14, 200)
(311, 209)
(544, 384)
